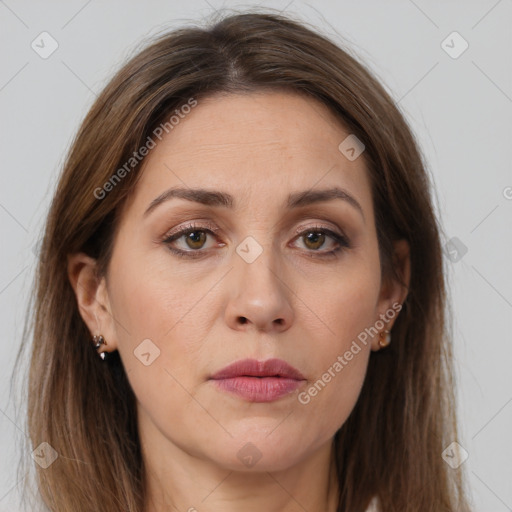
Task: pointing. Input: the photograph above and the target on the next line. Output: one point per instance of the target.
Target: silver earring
(99, 340)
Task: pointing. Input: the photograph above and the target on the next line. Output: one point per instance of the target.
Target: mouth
(258, 381)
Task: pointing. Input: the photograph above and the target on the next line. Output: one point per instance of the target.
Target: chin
(258, 452)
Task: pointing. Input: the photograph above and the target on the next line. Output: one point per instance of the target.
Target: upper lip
(254, 368)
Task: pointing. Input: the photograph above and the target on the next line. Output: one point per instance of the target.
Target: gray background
(460, 110)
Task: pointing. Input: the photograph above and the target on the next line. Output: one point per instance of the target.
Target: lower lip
(259, 389)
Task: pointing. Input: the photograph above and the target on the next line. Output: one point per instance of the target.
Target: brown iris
(195, 239)
(316, 238)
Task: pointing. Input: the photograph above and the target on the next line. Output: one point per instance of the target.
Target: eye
(195, 239)
(189, 239)
(317, 237)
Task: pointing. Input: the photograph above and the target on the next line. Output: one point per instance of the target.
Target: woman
(240, 297)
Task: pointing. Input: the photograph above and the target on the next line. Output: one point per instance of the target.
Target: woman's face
(278, 259)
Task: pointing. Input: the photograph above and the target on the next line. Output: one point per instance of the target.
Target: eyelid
(317, 227)
(190, 226)
(207, 225)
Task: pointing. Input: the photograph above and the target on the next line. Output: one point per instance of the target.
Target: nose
(260, 298)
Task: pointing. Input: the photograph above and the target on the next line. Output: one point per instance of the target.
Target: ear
(92, 298)
(394, 288)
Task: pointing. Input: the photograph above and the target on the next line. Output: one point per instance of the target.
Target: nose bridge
(260, 296)
(257, 265)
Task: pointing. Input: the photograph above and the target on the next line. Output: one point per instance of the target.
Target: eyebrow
(223, 199)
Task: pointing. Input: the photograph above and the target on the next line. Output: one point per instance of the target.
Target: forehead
(286, 124)
(266, 143)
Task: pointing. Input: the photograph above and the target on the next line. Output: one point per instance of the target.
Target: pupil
(196, 237)
(315, 237)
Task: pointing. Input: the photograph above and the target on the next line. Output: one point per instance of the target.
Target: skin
(298, 304)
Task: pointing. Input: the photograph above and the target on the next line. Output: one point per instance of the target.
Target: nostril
(243, 320)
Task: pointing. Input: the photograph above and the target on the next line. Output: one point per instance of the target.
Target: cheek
(346, 301)
(160, 348)
(347, 308)
(334, 394)
(160, 321)
(154, 297)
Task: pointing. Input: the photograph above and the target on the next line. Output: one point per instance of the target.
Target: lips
(254, 368)
(258, 381)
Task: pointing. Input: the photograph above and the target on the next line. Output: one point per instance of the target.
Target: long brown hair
(391, 445)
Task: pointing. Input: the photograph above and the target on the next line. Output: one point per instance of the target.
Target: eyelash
(342, 240)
